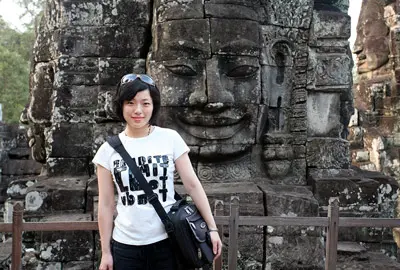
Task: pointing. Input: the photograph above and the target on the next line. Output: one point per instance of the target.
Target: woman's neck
(138, 132)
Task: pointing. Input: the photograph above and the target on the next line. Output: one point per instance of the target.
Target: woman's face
(138, 111)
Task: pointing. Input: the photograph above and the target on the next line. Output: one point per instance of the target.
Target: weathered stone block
(102, 131)
(105, 111)
(175, 39)
(65, 246)
(299, 110)
(250, 252)
(112, 69)
(56, 194)
(81, 13)
(250, 204)
(235, 37)
(298, 124)
(75, 104)
(68, 166)
(79, 265)
(77, 41)
(323, 111)
(129, 41)
(19, 153)
(299, 95)
(78, 64)
(292, 253)
(327, 153)
(222, 172)
(41, 82)
(359, 191)
(329, 70)
(21, 167)
(290, 201)
(250, 197)
(44, 47)
(17, 189)
(225, 11)
(329, 25)
(168, 10)
(296, 14)
(299, 137)
(76, 136)
(127, 12)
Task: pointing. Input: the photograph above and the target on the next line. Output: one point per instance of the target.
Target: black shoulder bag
(184, 225)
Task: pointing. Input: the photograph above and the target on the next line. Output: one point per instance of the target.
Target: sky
(10, 12)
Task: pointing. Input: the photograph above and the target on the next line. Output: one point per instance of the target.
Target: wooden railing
(332, 222)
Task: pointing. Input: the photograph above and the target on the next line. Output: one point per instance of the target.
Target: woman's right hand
(106, 262)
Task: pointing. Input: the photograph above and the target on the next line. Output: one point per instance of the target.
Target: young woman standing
(137, 239)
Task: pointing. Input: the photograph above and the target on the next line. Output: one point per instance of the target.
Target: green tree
(15, 56)
(14, 89)
(15, 51)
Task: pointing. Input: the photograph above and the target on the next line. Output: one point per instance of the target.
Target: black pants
(156, 256)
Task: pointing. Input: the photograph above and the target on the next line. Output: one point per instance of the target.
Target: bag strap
(116, 143)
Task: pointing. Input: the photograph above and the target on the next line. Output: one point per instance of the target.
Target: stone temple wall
(260, 91)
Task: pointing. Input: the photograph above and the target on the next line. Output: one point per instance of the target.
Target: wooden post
(219, 211)
(332, 234)
(17, 237)
(233, 233)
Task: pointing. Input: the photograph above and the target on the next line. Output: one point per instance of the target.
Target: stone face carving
(375, 130)
(208, 68)
(372, 42)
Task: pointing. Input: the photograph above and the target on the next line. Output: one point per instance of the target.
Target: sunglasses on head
(143, 77)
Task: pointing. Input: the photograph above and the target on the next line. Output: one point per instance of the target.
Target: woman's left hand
(216, 243)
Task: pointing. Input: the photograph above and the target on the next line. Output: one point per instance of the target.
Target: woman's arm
(196, 192)
(106, 208)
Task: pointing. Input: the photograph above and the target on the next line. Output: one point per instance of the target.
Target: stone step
(21, 167)
(350, 248)
(19, 153)
(371, 261)
(17, 188)
(57, 194)
(5, 253)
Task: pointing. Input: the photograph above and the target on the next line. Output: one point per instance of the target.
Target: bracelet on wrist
(213, 230)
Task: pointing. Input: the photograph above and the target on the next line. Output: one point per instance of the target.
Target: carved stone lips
(211, 120)
(209, 126)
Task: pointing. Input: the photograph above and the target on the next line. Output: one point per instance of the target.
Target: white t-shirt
(137, 223)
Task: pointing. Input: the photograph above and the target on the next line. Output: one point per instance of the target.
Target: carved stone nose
(198, 98)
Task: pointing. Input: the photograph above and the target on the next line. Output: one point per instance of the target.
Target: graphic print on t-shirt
(153, 168)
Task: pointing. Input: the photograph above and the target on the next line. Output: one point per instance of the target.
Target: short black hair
(127, 91)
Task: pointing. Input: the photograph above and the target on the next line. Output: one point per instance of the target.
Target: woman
(139, 240)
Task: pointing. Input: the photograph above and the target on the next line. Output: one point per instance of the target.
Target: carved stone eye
(242, 71)
(182, 70)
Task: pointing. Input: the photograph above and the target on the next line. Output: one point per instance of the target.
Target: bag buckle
(152, 198)
(169, 226)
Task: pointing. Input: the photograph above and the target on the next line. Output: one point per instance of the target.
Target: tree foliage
(15, 56)
(14, 90)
